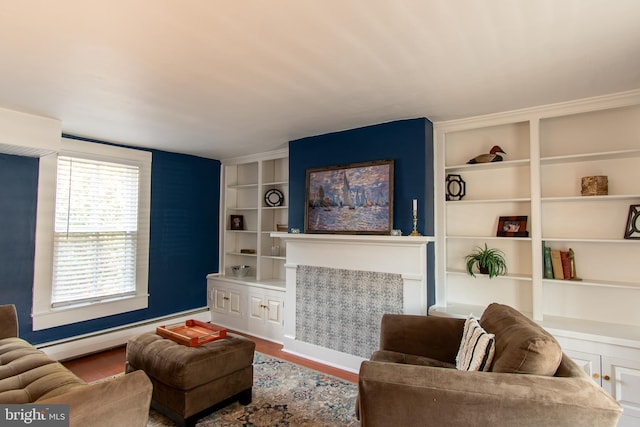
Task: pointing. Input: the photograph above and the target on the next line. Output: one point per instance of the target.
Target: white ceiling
(219, 78)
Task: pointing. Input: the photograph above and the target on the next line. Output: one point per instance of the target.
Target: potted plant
(489, 260)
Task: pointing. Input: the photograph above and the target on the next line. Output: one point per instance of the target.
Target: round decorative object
(456, 187)
(274, 198)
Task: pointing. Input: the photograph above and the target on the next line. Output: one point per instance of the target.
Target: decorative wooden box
(193, 333)
(595, 185)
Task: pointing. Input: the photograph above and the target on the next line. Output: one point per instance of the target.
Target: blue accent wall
(18, 201)
(184, 235)
(408, 142)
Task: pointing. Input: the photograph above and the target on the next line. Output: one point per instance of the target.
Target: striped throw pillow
(476, 348)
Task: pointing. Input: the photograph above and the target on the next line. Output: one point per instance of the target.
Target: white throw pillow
(476, 348)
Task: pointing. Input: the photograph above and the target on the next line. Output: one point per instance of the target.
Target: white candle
(415, 205)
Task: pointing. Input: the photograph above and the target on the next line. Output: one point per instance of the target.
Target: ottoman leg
(175, 417)
(245, 397)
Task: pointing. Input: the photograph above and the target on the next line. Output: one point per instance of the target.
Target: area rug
(285, 394)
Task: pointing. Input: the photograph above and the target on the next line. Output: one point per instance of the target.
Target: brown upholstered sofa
(27, 375)
(413, 381)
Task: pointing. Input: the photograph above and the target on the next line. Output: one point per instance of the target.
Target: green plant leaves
(488, 259)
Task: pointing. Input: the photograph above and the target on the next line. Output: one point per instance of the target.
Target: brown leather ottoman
(190, 382)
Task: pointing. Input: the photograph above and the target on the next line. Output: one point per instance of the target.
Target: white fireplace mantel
(403, 255)
(356, 238)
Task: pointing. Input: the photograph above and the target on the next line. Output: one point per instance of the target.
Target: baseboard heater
(82, 345)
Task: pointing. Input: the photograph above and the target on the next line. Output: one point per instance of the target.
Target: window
(92, 233)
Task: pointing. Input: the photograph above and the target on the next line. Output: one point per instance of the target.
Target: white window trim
(44, 316)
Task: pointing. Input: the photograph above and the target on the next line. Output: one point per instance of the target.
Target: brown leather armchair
(412, 380)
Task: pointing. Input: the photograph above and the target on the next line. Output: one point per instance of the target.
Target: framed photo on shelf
(350, 199)
(236, 222)
(512, 226)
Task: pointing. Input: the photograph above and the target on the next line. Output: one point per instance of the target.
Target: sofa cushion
(522, 346)
(408, 359)
(27, 374)
(476, 347)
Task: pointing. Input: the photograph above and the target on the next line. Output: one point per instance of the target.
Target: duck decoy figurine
(493, 156)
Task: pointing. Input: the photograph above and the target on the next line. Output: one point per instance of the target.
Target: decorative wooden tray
(193, 333)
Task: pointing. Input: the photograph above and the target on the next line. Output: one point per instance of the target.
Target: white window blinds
(95, 231)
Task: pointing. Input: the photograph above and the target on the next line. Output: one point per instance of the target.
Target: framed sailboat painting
(350, 199)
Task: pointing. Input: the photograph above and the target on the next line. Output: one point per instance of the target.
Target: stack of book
(559, 264)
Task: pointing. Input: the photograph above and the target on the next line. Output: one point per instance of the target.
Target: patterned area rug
(285, 394)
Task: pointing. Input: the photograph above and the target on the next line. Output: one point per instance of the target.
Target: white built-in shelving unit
(549, 149)
(244, 185)
(253, 304)
(492, 190)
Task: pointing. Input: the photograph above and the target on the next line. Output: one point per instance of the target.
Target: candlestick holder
(415, 225)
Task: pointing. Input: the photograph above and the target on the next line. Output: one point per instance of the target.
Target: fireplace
(338, 287)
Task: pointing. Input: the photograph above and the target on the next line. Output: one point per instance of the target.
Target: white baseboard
(98, 341)
(326, 356)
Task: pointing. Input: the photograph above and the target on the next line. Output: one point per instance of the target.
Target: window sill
(74, 314)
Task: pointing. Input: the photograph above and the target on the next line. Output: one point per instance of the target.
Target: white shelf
(242, 186)
(524, 239)
(595, 283)
(610, 333)
(523, 277)
(486, 201)
(604, 332)
(241, 254)
(282, 258)
(232, 209)
(606, 198)
(578, 240)
(275, 284)
(494, 165)
(275, 183)
(458, 310)
(586, 157)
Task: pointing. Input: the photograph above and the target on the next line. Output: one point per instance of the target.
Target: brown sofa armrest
(409, 395)
(123, 401)
(8, 321)
(429, 336)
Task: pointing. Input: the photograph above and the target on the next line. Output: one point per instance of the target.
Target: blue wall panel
(408, 142)
(18, 200)
(184, 238)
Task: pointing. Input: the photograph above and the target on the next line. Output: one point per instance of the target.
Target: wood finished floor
(111, 362)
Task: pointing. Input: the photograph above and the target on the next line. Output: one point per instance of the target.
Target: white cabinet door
(266, 315)
(256, 308)
(621, 379)
(589, 362)
(235, 303)
(219, 300)
(274, 311)
(226, 301)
